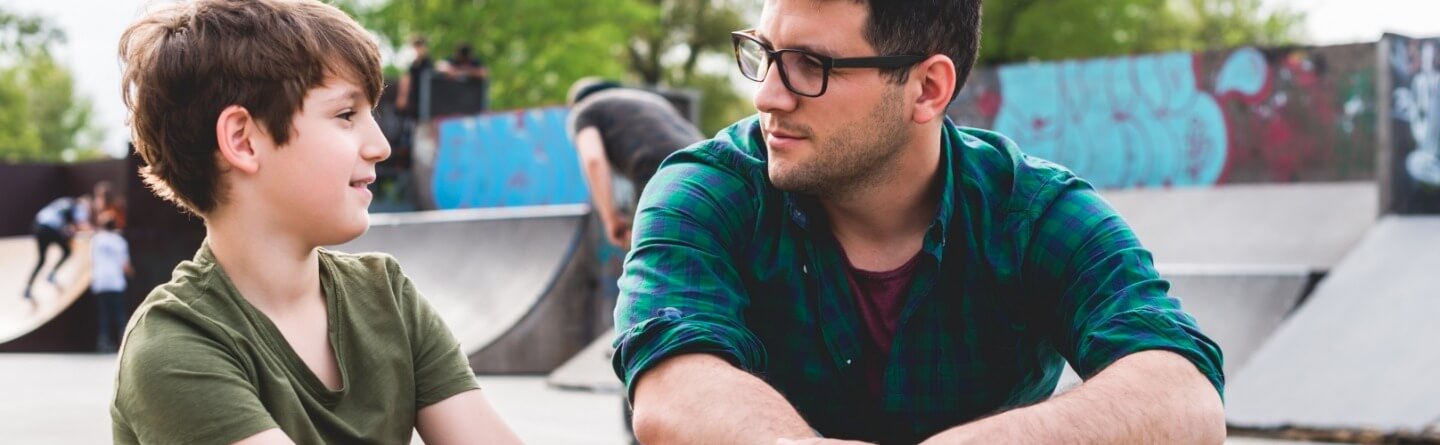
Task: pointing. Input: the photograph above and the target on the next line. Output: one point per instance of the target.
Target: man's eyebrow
(817, 49)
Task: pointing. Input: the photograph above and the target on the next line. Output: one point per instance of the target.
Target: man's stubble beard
(855, 157)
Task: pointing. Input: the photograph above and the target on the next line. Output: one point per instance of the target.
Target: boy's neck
(271, 268)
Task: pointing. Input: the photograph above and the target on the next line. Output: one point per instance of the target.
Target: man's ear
(937, 84)
(234, 130)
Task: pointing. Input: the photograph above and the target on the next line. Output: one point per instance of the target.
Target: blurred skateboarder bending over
(621, 135)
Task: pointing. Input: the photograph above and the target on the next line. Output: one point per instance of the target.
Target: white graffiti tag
(1419, 104)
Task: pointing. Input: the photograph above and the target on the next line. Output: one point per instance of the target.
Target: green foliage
(41, 116)
(720, 104)
(21, 35)
(669, 51)
(534, 48)
(1024, 30)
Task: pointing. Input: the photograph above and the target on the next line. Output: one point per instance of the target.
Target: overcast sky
(94, 27)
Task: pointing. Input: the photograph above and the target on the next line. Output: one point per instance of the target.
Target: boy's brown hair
(188, 61)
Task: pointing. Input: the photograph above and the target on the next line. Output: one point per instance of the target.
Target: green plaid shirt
(1024, 267)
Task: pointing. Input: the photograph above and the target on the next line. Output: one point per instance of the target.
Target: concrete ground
(64, 399)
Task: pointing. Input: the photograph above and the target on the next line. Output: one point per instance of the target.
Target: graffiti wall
(1188, 119)
(1414, 124)
(506, 159)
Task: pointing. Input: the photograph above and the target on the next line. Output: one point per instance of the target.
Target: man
(407, 98)
(852, 265)
(621, 135)
(464, 64)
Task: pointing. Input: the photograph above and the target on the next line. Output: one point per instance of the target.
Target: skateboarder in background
(56, 224)
(621, 135)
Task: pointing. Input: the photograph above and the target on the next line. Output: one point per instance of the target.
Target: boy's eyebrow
(346, 95)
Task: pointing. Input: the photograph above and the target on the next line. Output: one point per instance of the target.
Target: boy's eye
(348, 115)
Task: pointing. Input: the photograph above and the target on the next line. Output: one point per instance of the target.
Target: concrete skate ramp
(1310, 225)
(55, 323)
(589, 370)
(1237, 306)
(1361, 352)
(514, 284)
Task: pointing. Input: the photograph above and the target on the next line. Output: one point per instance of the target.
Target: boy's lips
(362, 182)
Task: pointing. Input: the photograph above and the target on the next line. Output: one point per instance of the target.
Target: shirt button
(804, 269)
(847, 362)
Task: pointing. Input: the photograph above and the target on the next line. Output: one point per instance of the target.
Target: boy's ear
(234, 130)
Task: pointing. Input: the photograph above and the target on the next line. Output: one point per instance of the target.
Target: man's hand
(618, 232)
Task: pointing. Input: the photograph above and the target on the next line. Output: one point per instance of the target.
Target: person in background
(56, 224)
(108, 203)
(621, 135)
(466, 66)
(407, 98)
(109, 269)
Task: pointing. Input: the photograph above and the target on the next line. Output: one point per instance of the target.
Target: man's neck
(885, 221)
(272, 269)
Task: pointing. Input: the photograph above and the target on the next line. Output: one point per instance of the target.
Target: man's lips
(777, 133)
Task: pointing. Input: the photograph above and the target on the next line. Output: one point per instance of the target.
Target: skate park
(1311, 261)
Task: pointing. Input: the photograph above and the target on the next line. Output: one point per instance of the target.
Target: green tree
(669, 49)
(1024, 30)
(534, 48)
(42, 118)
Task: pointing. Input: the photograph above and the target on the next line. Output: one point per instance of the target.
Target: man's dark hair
(949, 27)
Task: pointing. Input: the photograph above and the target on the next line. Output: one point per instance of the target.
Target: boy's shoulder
(365, 269)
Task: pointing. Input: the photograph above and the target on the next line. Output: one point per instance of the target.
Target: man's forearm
(596, 169)
(1147, 397)
(701, 399)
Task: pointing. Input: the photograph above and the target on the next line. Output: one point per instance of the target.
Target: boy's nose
(376, 148)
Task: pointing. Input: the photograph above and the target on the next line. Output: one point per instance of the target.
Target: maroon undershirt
(879, 297)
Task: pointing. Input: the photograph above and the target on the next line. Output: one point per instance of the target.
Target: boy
(256, 116)
(109, 265)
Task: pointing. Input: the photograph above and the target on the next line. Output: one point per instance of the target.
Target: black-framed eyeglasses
(803, 72)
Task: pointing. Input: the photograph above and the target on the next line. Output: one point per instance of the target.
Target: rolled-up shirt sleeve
(680, 291)
(1108, 299)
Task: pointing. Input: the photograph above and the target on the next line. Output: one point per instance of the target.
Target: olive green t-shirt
(201, 365)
